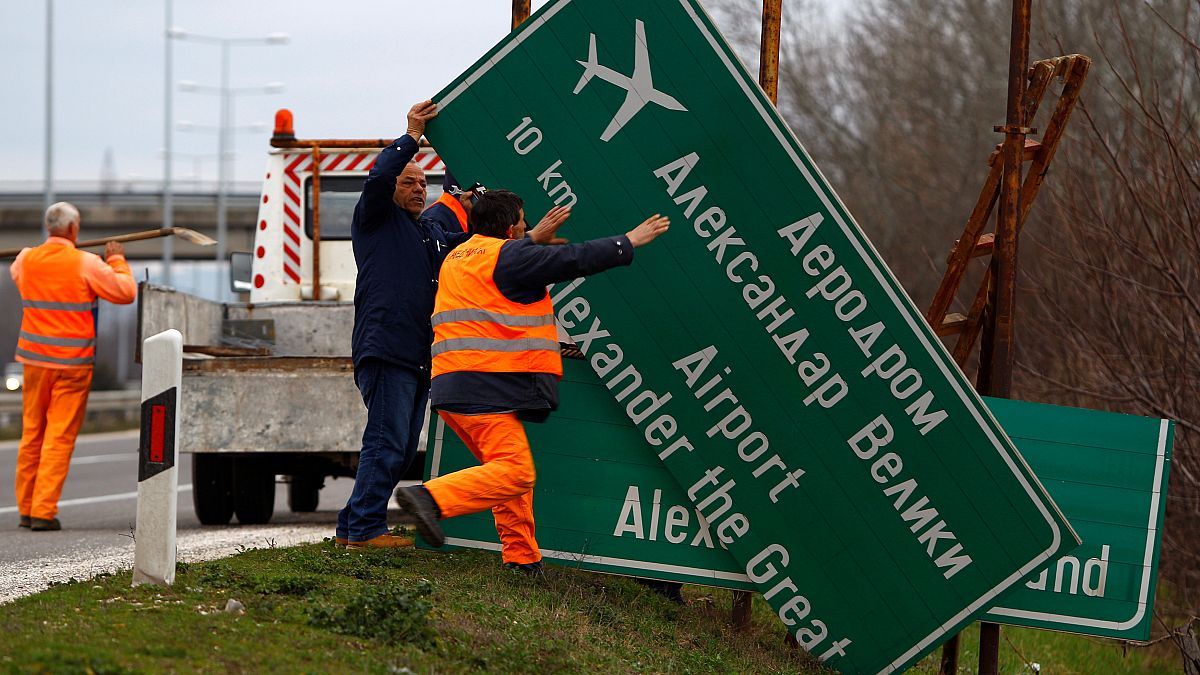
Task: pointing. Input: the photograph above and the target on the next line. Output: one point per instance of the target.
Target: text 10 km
(525, 137)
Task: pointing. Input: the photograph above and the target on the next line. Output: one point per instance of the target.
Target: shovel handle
(135, 236)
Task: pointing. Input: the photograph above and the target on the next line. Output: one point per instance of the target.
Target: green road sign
(769, 359)
(1109, 475)
(600, 505)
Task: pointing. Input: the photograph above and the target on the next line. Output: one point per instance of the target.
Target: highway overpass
(115, 211)
(107, 212)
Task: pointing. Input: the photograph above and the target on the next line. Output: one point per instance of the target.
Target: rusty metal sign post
(768, 79)
(992, 312)
(997, 359)
(1072, 71)
(520, 12)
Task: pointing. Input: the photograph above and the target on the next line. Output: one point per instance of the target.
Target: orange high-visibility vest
(451, 202)
(476, 328)
(58, 321)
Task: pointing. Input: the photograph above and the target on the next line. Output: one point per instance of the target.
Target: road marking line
(83, 439)
(101, 459)
(94, 500)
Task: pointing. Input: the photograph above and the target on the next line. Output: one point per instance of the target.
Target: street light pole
(225, 128)
(168, 246)
(48, 193)
(222, 152)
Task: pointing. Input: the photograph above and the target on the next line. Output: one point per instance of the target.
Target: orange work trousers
(54, 402)
(503, 482)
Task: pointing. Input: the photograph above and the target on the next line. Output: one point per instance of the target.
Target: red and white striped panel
(430, 161)
(297, 167)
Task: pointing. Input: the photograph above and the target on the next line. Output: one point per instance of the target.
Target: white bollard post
(158, 477)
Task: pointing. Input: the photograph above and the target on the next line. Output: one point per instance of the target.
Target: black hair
(494, 212)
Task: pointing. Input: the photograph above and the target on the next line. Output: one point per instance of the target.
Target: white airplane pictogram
(640, 86)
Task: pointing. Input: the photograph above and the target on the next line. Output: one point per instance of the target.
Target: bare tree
(1115, 294)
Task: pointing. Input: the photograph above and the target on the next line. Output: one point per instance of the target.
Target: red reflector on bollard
(156, 443)
(158, 417)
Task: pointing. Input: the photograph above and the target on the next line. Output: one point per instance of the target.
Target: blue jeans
(395, 399)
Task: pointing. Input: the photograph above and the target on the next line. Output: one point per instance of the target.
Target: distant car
(14, 377)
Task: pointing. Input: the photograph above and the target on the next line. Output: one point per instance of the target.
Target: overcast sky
(351, 69)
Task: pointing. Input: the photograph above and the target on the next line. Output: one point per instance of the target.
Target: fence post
(158, 477)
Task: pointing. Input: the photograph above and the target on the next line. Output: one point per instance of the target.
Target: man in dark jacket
(496, 362)
(398, 255)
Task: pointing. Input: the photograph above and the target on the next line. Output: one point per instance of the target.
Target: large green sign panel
(770, 361)
(1108, 473)
(600, 505)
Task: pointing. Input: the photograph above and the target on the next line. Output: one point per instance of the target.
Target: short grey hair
(60, 216)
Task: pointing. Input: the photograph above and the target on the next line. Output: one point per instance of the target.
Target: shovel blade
(193, 237)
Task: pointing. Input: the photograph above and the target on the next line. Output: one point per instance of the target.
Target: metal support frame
(316, 222)
(992, 310)
(1072, 70)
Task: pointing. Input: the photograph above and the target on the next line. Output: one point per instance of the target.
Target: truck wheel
(212, 488)
(253, 490)
(304, 492)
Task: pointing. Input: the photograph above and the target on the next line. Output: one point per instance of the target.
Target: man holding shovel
(59, 285)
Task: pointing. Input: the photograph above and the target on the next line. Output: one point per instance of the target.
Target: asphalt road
(98, 510)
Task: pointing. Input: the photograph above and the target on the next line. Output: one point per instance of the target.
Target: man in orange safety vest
(59, 285)
(452, 210)
(496, 363)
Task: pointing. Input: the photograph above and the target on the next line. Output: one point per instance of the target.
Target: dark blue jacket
(523, 270)
(398, 258)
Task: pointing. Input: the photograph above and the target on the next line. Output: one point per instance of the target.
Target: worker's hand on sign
(649, 230)
(546, 231)
(113, 248)
(418, 115)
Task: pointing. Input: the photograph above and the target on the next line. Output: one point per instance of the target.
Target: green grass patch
(320, 609)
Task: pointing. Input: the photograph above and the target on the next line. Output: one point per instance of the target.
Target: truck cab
(310, 189)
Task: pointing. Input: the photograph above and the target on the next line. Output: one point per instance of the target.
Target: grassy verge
(320, 609)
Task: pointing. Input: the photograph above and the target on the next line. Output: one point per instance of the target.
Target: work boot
(533, 569)
(418, 503)
(339, 542)
(382, 541)
(43, 525)
(24, 522)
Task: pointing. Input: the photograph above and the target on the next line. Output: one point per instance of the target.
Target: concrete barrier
(158, 477)
(105, 410)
